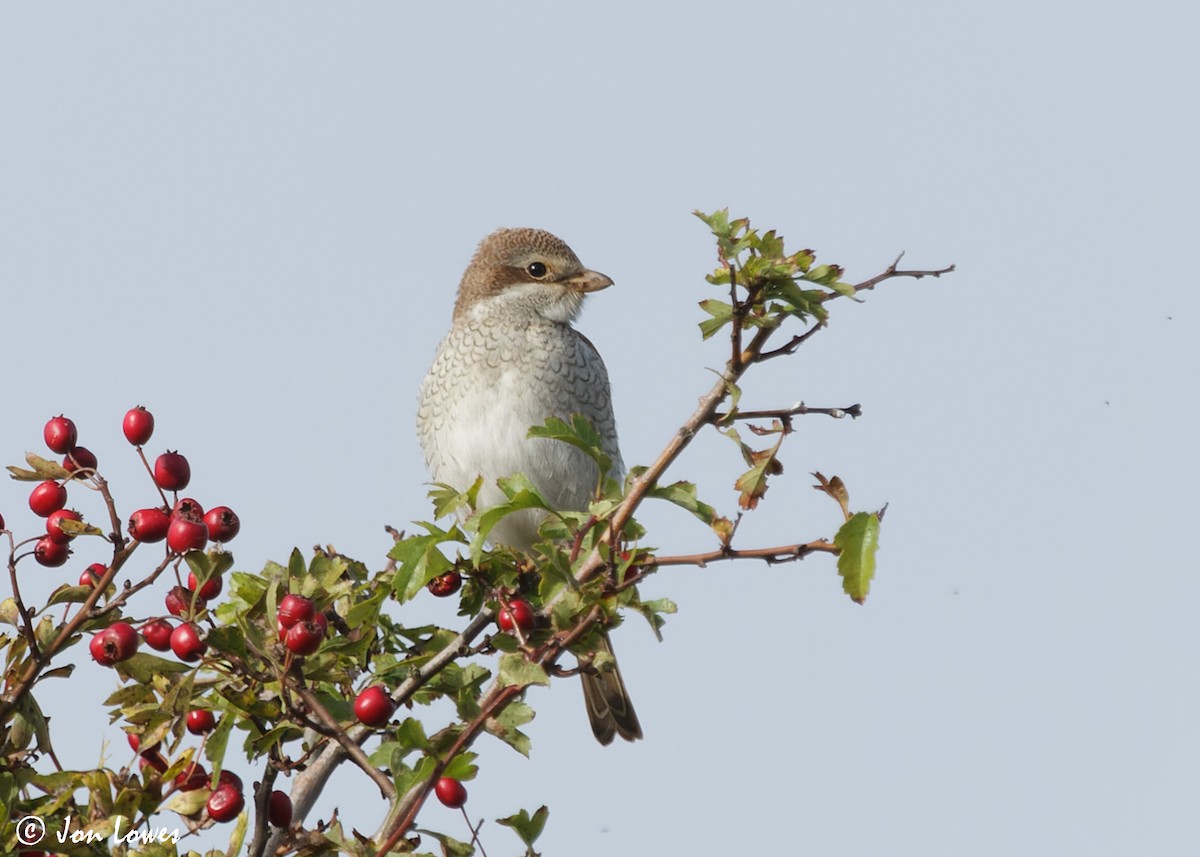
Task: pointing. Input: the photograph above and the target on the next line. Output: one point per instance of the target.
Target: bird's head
(526, 271)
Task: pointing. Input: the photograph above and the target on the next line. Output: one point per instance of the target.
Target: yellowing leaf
(858, 540)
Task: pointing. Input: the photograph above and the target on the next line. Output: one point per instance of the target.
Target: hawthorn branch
(892, 271)
(262, 800)
(798, 409)
(310, 782)
(771, 555)
(495, 699)
(26, 614)
(132, 588)
(792, 344)
(34, 666)
(351, 748)
(404, 816)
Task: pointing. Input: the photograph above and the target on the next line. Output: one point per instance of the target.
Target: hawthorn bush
(303, 667)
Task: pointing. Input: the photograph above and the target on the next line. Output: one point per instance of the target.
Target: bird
(511, 360)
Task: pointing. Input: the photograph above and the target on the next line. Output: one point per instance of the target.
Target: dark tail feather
(609, 707)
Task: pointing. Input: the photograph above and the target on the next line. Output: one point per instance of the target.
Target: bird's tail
(609, 707)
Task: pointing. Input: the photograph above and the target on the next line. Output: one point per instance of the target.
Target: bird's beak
(587, 281)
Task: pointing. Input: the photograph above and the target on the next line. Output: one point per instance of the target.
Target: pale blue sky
(252, 219)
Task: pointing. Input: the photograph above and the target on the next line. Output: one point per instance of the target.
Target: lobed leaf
(858, 540)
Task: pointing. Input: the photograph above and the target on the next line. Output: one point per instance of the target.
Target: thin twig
(798, 409)
(892, 271)
(771, 555)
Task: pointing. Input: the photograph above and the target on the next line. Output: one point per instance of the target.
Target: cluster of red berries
(301, 628)
(185, 528)
(227, 799)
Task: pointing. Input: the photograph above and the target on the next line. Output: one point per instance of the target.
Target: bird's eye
(536, 270)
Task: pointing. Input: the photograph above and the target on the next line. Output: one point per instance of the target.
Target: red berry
(172, 472)
(373, 707)
(150, 757)
(184, 535)
(179, 602)
(50, 553)
(149, 525)
(445, 585)
(154, 761)
(191, 778)
(186, 643)
(521, 616)
(451, 792)
(53, 524)
(92, 574)
(60, 435)
(279, 809)
(101, 654)
(80, 458)
(225, 803)
(227, 778)
(118, 642)
(157, 634)
(186, 507)
(222, 523)
(211, 588)
(200, 720)
(295, 608)
(47, 498)
(304, 638)
(1, 522)
(138, 425)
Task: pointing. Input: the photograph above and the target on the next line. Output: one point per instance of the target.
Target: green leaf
(517, 671)
(46, 469)
(858, 539)
(721, 312)
(78, 528)
(770, 245)
(505, 726)
(528, 827)
(451, 847)
(366, 612)
(297, 567)
(406, 778)
(70, 595)
(718, 221)
(448, 500)
(521, 494)
(23, 475)
(238, 835)
(461, 767)
(683, 495)
(800, 302)
(143, 668)
(328, 570)
(581, 434)
(228, 638)
(187, 803)
(420, 561)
